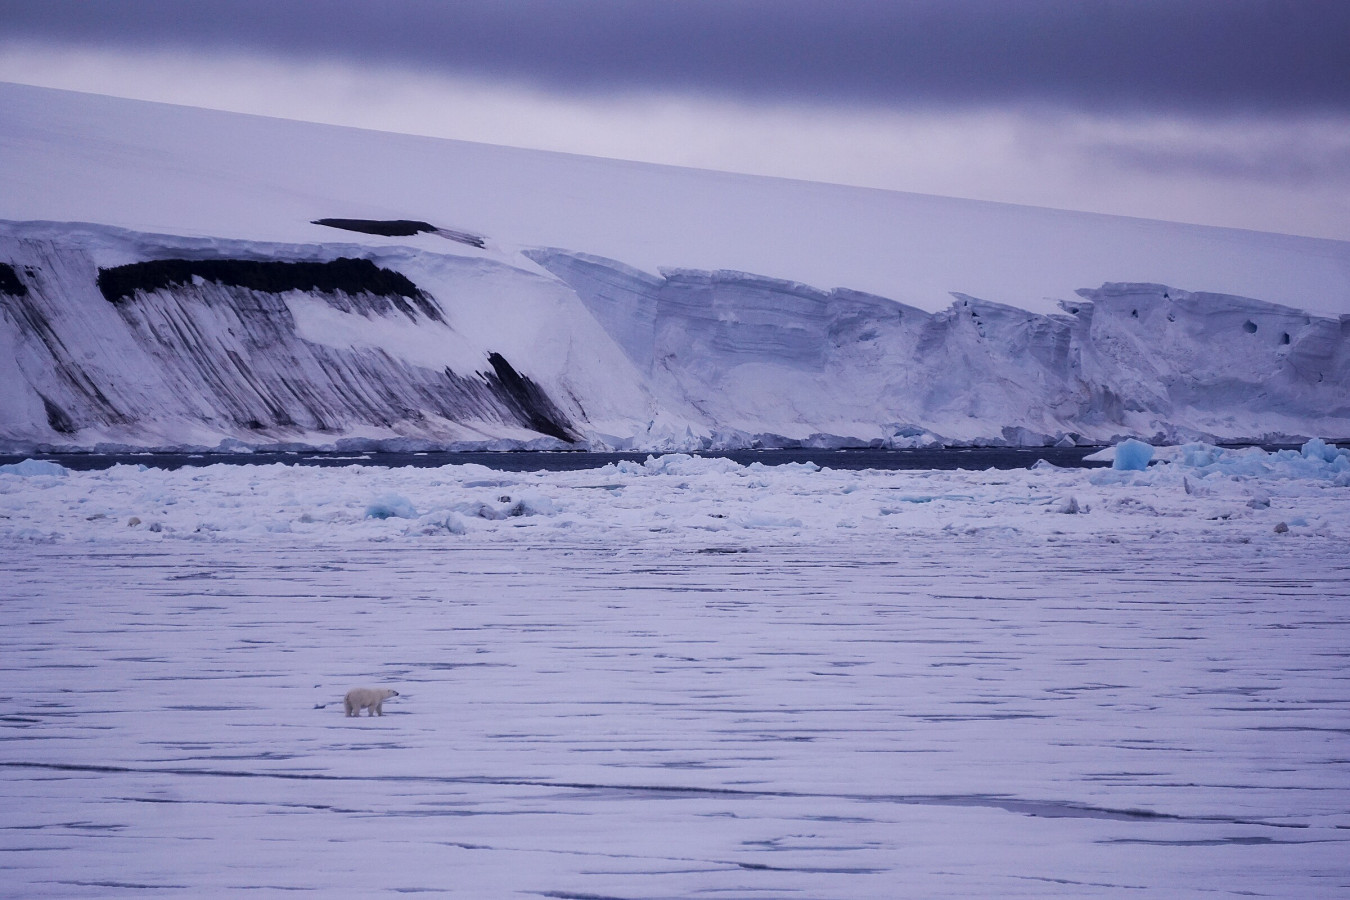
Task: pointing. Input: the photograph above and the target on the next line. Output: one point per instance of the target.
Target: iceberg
(1132, 455)
(34, 467)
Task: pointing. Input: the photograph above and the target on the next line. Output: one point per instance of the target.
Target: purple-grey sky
(1233, 112)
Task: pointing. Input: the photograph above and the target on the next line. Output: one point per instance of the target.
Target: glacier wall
(117, 337)
(755, 354)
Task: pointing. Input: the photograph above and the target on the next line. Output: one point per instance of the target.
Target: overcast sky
(1227, 112)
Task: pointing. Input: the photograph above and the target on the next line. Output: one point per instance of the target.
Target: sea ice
(694, 679)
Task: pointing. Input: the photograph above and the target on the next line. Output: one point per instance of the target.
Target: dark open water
(952, 458)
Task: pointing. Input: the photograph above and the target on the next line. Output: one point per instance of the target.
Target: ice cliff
(754, 354)
(114, 336)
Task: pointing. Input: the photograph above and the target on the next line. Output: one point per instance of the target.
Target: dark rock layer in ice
(402, 228)
(10, 283)
(212, 344)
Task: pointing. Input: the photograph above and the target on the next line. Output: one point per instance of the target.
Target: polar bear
(373, 699)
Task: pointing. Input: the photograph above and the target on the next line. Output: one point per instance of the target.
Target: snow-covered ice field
(681, 679)
(166, 282)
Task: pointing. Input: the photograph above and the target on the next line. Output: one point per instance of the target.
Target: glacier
(115, 337)
(548, 301)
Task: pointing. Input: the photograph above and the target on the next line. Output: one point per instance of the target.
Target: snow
(679, 677)
(157, 168)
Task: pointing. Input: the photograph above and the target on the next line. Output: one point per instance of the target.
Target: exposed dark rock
(57, 418)
(528, 400)
(463, 237)
(402, 228)
(385, 227)
(351, 276)
(10, 283)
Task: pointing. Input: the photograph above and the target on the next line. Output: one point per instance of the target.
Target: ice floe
(675, 498)
(679, 677)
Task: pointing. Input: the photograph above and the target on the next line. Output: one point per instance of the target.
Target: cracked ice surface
(689, 678)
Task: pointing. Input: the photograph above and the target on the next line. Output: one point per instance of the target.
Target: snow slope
(619, 299)
(159, 168)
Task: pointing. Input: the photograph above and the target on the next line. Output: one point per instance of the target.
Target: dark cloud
(1192, 56)
(1285, 161)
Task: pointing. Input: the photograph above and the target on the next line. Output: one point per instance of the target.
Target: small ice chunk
(1068, 506)
(529, 503)
(683, 465)
(1319, 449)
(443, 521)
(759, 467)
(35, 536)
(30, 467)
(508, 506)
(391, 506)
(1198, 456)
(483, 511)
(1132, 455)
